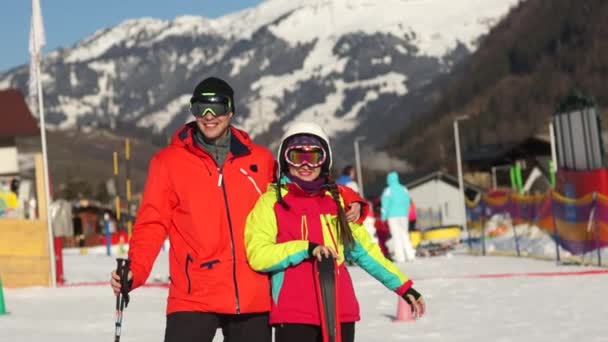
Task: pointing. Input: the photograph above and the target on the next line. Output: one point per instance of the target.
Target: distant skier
(412, 216)
(395, 203)
(301, 219)
(347, 178)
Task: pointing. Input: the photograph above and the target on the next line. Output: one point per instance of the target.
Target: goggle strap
(229, 101)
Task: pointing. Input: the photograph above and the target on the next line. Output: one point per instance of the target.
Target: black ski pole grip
(122, 299)
(123, 266)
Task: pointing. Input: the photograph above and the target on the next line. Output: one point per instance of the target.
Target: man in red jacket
(199, 191)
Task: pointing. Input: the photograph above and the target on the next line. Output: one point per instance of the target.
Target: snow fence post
(106, 228)
(2, 305)
(515, 237)
(483, 230)
(555, 236)
(596, 231)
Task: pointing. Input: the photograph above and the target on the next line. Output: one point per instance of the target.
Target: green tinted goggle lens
(217, 105)
(216, 109)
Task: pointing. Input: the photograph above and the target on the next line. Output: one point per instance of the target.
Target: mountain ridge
(359, 68)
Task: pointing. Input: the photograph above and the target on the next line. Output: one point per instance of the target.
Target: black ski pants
(201, 327)
(292, 332)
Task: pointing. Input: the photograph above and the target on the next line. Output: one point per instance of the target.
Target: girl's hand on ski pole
(115, 281)
(321, 251)
(354, 212)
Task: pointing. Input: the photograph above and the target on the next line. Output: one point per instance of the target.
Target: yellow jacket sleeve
(263, 252)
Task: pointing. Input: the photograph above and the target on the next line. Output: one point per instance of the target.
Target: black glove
(311, 247)
(122, 269)
(414, 294)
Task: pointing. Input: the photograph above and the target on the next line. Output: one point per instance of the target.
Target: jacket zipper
(232, 248)
(220, 182)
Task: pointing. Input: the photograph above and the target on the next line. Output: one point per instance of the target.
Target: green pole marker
(2, 305)
(552, 173)
(512, 174)
(520, 185)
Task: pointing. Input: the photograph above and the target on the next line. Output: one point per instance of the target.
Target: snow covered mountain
(358, 67)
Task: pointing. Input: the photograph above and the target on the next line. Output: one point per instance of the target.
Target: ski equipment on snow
(327, 299)
(122, 299)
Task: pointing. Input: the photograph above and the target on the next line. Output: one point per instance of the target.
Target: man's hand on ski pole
(416, 302)
(354, 212)
(120, 282)
(115, 281)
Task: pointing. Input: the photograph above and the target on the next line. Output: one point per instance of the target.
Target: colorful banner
(575, 184)
(579, 225)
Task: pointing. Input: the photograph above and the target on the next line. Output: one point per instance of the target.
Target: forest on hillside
(541, 52)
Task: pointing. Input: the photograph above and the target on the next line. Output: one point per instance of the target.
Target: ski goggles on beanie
(299, 155)
(213, 103)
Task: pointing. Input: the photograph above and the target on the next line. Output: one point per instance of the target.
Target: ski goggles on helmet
(213, 103)
(297, 156)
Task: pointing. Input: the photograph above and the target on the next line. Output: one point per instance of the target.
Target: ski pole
(327, 299)
(122, 299)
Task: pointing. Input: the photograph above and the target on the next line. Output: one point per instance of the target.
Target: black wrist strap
(412, 292)
(311, 247)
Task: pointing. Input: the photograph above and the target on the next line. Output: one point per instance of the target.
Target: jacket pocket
(204, 278)
(209, 264)
(188, 282)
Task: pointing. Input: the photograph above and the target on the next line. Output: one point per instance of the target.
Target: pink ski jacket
(277, 241)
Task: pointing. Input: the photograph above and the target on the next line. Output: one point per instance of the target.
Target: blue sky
(67, 21)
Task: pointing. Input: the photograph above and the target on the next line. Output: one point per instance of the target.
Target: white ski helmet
(304, 127)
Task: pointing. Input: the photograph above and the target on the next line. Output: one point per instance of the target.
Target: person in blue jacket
(395, 203)
(347, 178)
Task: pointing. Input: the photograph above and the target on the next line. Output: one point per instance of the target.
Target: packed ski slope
(469, 299)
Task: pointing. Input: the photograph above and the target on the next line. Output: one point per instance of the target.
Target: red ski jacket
(202, 208)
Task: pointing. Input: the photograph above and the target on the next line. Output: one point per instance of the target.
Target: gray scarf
(218, 149)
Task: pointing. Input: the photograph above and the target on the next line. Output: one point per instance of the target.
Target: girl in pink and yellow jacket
(302, 218)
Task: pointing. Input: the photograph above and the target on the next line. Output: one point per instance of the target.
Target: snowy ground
(526, 300)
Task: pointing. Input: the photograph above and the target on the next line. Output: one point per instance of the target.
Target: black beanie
(215, 85)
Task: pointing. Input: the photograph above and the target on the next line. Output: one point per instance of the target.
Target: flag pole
(47, 192)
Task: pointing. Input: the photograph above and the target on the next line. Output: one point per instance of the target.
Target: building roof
(486, 156)
(470, 190)
(17, 120)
